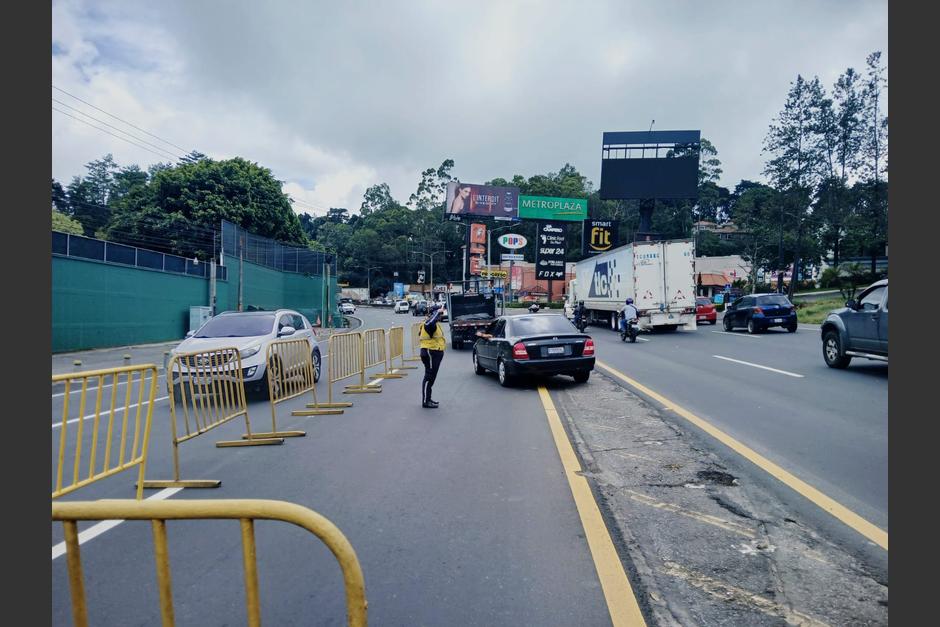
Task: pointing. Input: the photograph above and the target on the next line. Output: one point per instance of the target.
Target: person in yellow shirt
(432, 343)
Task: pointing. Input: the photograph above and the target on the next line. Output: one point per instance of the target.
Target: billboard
(550, 251)
(512, 241)
(482, 200)
(650, 164)
(598, 236)
(551, 208)
(477, 233)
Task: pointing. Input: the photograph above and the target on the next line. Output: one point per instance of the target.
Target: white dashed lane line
(747, 363)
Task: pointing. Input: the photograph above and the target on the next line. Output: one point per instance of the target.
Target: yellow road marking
(621, 602)
(727, 525)
(872, 532)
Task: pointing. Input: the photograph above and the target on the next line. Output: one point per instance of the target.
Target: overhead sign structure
(598, 236)
(482, 200)
(650, 165)
(550, 251)
(551, 208)
(512, 241)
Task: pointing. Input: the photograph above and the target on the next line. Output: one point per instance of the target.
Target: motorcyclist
(628, 312)
(533, 308)
(578, 313)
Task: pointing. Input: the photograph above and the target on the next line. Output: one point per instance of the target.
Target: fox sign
(512, 241)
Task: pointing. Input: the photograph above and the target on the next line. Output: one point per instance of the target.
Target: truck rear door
(678, 276)
(648, 276)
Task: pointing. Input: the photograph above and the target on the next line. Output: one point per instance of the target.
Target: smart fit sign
(550, 208)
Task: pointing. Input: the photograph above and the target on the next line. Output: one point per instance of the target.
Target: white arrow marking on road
(105, 525)
(747, 363)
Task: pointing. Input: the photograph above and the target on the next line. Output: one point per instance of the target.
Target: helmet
(629, 301)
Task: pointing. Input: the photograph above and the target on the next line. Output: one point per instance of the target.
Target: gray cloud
(388, 89)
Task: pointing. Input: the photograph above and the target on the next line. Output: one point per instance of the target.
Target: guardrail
(112, 461)
(290, 373)
(396, 348)
(246, 511)
(210, 388)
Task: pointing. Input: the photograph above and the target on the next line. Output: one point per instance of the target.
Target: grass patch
(814, 312)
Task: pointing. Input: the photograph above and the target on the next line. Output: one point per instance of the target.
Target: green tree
(875, 158)
(433, 187)
(65, 224)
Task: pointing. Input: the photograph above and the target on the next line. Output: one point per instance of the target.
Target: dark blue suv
(758, 312)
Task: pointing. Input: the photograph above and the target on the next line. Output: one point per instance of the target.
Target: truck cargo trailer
(659, 276)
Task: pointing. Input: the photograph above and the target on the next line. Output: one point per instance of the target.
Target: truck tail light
(588, 348)
(519, 351)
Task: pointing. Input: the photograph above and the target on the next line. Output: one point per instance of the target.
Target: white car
(347, 308)
(251, 332)
(402, 307)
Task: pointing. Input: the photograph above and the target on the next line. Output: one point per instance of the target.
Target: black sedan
(533, 344)
(758, 312)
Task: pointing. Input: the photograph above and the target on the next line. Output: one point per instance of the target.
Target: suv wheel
(832, 350)
(726, 323)
(316, 365)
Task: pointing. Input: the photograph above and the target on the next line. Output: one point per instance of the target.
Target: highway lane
(459, 515)
(828, 427)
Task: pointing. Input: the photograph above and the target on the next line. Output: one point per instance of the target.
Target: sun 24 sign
(512, 241)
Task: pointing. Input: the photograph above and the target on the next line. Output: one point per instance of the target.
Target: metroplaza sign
(551, 208)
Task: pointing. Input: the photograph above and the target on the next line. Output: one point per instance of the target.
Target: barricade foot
(319, 405)
(366, 389)
(413, 359)
(387, 375)
(315, 412)
(256, 440)
(274, 434)
(408, 367)
(187, 483)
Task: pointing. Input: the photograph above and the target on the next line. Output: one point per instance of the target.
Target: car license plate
(778, 319)
(701, 317)
(556, 350)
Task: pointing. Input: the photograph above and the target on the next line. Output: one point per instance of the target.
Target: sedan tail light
(588, 348)
(519, 351)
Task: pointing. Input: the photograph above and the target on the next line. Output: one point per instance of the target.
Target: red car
(705, 311)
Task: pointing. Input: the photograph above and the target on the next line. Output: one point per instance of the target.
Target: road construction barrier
(113, 453)
(346, 360)
(290, 374)
(375, 353)
(415, 342)
(209, 387)
(246, 511)
(396, 349)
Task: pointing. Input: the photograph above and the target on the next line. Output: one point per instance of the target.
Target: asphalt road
(459, 515)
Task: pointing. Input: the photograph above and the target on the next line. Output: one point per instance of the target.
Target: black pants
(432, 363)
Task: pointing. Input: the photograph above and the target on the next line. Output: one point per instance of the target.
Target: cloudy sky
(337, 96)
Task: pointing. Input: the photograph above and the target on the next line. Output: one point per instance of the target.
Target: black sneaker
(434, 403)
(429, 405)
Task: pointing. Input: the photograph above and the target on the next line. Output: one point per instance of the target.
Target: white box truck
(659, 276)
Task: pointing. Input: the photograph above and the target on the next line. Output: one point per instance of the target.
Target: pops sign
(512, 241)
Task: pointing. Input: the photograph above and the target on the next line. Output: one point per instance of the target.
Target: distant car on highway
(860, 329)
(705, 310)
(250, 332)
(533, 344)
(402, 307)
(759, 312)
(347, 308)
(420, 308)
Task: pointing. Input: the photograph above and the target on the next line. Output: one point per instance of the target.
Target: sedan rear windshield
(541, 324)
(237, 326)
(773, 299)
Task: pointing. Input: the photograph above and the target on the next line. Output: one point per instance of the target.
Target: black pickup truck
(469, 313)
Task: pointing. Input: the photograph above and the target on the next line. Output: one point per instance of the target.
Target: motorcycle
(629, 330)
(581, 324)
(533, 308)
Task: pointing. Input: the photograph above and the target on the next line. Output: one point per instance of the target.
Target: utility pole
(212, 299)
(241, 275)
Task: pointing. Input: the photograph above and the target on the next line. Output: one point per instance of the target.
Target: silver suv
(860, 329)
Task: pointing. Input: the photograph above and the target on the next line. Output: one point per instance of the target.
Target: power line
(143, 141)
(117, 118)
(108, 132)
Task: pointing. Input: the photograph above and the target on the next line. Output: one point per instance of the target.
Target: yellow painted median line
(872, 532)
(621, 602)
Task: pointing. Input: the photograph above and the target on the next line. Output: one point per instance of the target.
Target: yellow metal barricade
(346, 360)
(209, 388)
(289, 368)
(415, 342)
(396, 348)
(118, 451)
(375, 353)
(246, 511)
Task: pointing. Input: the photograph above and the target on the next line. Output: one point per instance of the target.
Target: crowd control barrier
(208, 387)
(113, 454)
(346, 361)
(246, 511)
(415, 342)
(396, 348)
(375, 353)
(290, 374)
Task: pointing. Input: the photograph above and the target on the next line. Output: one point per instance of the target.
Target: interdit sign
(512, 241)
